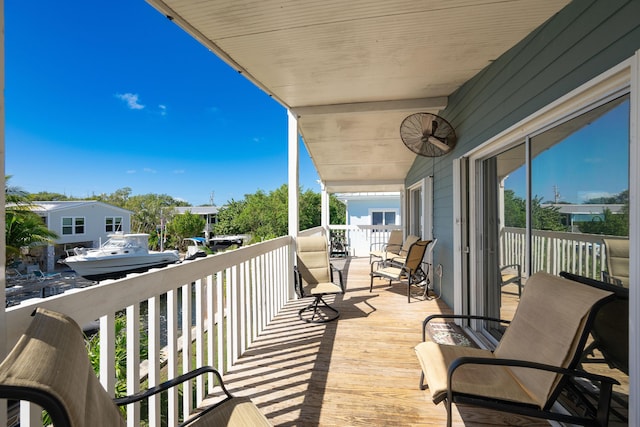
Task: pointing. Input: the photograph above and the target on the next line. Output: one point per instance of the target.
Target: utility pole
(556, 194)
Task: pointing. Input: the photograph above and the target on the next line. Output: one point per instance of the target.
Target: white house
(77, 223)
(365, 210)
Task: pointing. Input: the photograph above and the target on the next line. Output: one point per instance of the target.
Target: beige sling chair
(411, 269)
(315, 276)
(538, 354)
(49, 366)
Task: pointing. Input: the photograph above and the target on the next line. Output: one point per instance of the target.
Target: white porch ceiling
(353, 70)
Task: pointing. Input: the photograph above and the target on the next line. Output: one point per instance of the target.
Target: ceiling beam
(419, 104)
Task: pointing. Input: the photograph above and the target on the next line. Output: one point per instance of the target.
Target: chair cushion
(313, 259)
(618, 259)
(235, 412)
(488, 381)
(323, 288)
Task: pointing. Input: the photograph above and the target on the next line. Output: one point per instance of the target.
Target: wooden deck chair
(314, 277)
(538, 354)
(617, 252)
(411, 269)
(50, 367)
(380, 251)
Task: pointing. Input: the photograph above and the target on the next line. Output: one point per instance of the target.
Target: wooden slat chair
(314, 277)
(411, 269)
(49, 366)
(539, 353)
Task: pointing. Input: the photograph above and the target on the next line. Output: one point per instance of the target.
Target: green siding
(582, 41)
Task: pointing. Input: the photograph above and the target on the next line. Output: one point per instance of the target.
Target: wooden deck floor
(360, 370)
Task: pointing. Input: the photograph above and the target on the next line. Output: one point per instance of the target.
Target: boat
(195, 248)
(119, 255)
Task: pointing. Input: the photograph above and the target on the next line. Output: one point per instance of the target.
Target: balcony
(242, 319)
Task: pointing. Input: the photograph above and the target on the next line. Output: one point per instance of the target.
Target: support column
(293, 183)
(324, 209)
(294, 222)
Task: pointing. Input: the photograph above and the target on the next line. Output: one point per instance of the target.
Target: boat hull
(115, 267)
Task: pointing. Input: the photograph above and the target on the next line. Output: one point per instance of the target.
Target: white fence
(226, 300)
(554, 251)
(360, 237)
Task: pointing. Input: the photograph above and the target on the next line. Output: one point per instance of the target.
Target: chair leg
(423, 386)
(315, 308)
(448, 406)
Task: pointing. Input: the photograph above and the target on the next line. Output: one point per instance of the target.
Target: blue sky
(101, 96)
(590, 163)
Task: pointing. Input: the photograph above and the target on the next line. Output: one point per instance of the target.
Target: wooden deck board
(360, 370)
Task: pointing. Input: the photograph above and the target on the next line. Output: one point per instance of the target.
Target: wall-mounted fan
(427, 134)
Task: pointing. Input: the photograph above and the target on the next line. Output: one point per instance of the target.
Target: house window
(383, 218)
(113, 224)
(72, 225)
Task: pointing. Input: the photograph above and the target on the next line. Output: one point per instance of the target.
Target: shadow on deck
(356, 371)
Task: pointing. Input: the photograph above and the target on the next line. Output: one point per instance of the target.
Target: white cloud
(131, 171)
(594, 194)
(149, 170)
(163, 109)
(178, 171)
(131, 99)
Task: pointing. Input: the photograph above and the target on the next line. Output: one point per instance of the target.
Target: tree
(23, 228)
(227, 215)
(543, 218)
(265, 216)
(612, 224)
(185, 225)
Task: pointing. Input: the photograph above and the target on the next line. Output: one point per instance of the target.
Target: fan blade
(439, 143)
(427, 124)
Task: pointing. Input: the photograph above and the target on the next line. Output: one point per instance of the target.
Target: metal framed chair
(617, 256)
(511, 273)
(314, 277)
(536, 358)
(411, 269)
(49, 366)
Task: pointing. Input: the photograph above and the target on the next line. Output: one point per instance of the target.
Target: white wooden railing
(360, 237)
(554, 251)
(226, 301)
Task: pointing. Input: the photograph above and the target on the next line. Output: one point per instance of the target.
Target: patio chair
(50, 367)
(314, 277)
(411, 269)
(610, 329)
(401, 256)
(41, 277)
(617, 252)
(509, 274)
(537, 356)
(380, 250)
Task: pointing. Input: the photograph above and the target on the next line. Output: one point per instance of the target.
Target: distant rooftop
(198, 210)
(593, 209)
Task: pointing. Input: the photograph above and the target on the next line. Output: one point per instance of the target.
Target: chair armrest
(608, 278)
(466, 360)
(145, 394)
(573, 373)
(334, 268)
(456, 316)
